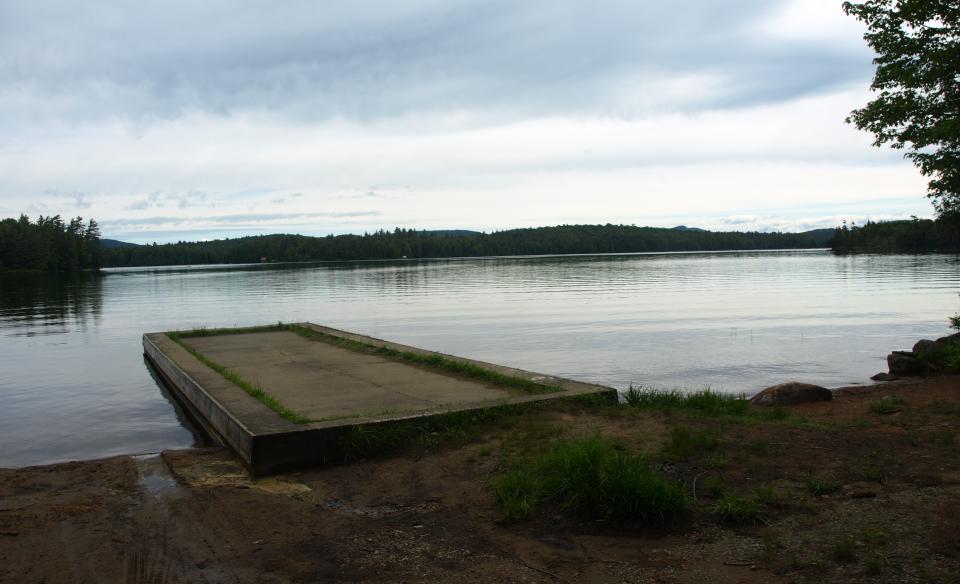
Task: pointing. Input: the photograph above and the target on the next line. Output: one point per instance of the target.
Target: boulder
(906, 364)
(926, 346)
(949, 340)
(788, 394)
(884, 376)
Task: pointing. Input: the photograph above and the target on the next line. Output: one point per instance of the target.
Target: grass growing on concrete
(252, 389)
(591, 478)
(435, 361)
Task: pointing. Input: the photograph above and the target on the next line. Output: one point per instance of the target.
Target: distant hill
(685, 228)
(450, 232)
(821, 236)
(410, 243)
(112, 243)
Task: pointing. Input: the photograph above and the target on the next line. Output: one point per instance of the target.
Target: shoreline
(888, 509)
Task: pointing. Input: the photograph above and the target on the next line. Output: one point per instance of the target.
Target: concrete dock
(308, 385)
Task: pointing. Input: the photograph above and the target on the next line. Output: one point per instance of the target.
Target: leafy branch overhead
(917, 85)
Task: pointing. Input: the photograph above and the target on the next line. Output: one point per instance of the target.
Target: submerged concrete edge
(216, 420)
(311, 443)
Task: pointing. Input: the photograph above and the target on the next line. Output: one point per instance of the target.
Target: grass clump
(685, 443)
(817, 485)
(888, 404)
(944, 408)
(706, 402)
(844, 550)
(873, 566)
(592, 478)
(737, 508)
(518, 493)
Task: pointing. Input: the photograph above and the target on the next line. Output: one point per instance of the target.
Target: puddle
(155, 477)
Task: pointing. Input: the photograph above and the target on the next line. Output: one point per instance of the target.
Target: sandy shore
(889, 509)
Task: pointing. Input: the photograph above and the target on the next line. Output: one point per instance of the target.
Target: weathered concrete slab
(336, 388)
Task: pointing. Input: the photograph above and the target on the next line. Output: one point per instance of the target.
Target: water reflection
(58, 302)
(180, 411)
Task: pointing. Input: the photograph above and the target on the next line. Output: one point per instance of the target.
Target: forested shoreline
(409, 243)
(908, 236)
(54, 245)
(50, 244)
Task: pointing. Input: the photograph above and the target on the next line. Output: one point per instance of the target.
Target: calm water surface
(73, 383)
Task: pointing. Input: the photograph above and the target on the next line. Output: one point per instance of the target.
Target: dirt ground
(854, 492)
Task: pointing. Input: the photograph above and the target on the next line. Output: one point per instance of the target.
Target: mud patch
(213, 468)
(154, 476)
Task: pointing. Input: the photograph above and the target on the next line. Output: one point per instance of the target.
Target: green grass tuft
(817, 486)
(873, 566)
(685, 443)
(888, 404)
(518, 492)
(706, 402)
(844, 550)
(592, 478)
(736, 508)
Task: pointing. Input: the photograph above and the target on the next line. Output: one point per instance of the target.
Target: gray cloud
(373, 59)
(232, 219)
(158, 199)
(285, 198)
(151, 200)
(81, 200)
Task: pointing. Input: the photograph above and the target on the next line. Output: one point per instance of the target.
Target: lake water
(74, 385)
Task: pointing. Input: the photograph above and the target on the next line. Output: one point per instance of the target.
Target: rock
(906, 364)
(883, 376)
(788, 394)
(925, 346)
(949, 340)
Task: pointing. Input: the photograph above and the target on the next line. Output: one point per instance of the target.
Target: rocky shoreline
(927, 357)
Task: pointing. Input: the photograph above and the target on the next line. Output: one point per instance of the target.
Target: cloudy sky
(191, 120)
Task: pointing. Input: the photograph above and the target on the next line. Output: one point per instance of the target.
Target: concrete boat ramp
(288, 395)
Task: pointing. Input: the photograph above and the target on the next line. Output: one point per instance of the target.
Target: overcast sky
(192, 120)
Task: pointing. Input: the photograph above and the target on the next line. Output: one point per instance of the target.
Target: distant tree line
(563, 239)
(50, 244)
(909, 236)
